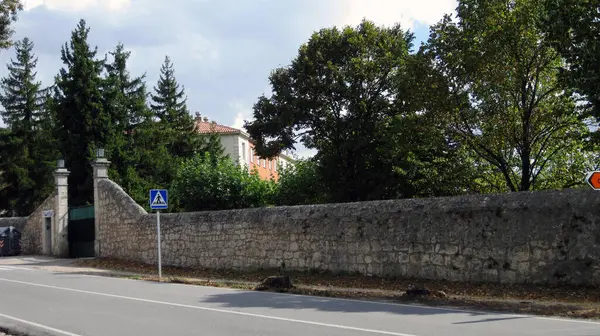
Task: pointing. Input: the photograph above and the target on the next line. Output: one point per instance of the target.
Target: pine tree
(131, 147)
(22, 96)
(168, 101)
(4, 157)
(126, 95)
(169, 107)
(44, 152)
(27, 153)
(82, 123)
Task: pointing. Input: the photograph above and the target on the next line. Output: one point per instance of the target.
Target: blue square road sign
(159, 199)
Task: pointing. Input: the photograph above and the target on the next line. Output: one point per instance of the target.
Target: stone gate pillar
(100, 167)
(60, 248)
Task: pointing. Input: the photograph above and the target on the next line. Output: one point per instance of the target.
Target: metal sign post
(158, 201)
(158, 243)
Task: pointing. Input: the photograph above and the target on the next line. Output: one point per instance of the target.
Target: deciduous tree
(496, 82)
(573, 27)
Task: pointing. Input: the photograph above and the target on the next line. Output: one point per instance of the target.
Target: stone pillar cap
(61, 171)
(101, 161)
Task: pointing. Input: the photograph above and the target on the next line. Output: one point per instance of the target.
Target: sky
(223, 50)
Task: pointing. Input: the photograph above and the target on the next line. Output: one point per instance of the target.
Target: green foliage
(488, 104)
(8, 15)
(169, 107)
(203, 183)
(131, 146)
(27, 147)
(426, 162)
(211, 143)
(573, 27)
(336, 97)
(496, 81)
(300, 183)
(82, 123)
(22, 96)
(351, 94)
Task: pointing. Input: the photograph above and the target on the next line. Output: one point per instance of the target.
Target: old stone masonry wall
(31, 227)
(541, 237)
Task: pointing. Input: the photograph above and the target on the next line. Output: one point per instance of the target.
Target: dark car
(10, 241)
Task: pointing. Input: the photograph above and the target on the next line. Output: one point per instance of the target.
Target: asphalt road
(47, 303)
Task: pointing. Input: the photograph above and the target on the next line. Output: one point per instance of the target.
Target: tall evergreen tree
(4, 201)
(168, 100)
(22, 96)
(28, 155)
(169, 107)
(131, 151)
(82, 123)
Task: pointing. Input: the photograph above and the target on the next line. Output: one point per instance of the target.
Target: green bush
(207, 183)
(300, 184)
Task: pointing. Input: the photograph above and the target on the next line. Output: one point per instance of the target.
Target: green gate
(82, 232)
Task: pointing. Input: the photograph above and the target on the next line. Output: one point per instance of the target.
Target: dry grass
(566, 301)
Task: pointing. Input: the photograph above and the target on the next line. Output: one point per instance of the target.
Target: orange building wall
(265, 173)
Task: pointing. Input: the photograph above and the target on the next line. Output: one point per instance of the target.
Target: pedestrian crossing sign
(158, 199)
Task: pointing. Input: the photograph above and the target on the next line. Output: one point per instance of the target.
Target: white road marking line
(372, 331)
(39, 325)
(415, 305)
(9, 268)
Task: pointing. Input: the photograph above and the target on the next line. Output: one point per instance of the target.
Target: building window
(251, 155)
(270, 165)
(264, 163)
(244, 150)
(275, 165)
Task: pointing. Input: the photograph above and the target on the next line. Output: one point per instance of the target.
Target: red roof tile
(208, 127)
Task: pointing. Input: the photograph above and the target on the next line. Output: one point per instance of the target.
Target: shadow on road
(291, 301)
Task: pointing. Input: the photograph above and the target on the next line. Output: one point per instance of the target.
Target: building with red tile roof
(240, 148)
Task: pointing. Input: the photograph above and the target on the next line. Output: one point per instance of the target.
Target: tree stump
(415, 291)
(275, 282)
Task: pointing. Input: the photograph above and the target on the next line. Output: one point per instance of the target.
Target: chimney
(198, 116)
(205, 119)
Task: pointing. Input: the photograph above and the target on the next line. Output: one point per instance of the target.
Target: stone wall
(17, 222)
(542, 237)
(31, 227)
(33, 231)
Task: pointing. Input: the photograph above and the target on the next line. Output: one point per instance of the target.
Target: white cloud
(199, 47)
(388, 12)
(78, 5)
(305, 153)
(242, 113)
